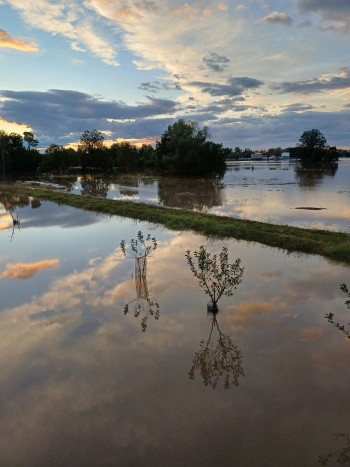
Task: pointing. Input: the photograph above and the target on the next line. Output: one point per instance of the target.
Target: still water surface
(270, 191)
(85, 383)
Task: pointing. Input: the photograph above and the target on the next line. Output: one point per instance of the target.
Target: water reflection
(330, 316)
(129, 186)
(340, 456)
(144, 305)
(217, 277)
(93, 186)
(311, 175)
(217, 359)
(10, 202)
(184, 193)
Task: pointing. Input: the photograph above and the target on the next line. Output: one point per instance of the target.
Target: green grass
(331, 245)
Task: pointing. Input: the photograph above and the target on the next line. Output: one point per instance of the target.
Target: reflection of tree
(11, 201)
(310, 175)
(215, 360)
(341, 456)
(92, 186)
(330, 316)
(125, 191)
(201, 193)
(143, 305)
(128, 185)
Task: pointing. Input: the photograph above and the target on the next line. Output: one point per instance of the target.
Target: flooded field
(268, 191)
(105, 362)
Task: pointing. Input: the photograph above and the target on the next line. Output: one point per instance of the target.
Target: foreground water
(85, 382)
(277, 192)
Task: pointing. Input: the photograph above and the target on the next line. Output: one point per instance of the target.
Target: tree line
(184, 148)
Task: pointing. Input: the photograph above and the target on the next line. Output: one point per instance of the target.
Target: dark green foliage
(125, 155)
(14, 157)
(30, 140)
(184, 149)
(313, 148)
(93, 155)
(330, 316)
(215, 274)
(139, 246)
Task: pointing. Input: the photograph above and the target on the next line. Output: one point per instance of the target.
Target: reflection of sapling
(330, 316)
(215, 273)
(139, 247)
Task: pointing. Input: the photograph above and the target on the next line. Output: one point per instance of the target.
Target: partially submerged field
(331, 245)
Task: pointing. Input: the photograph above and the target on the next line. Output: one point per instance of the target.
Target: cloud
(334, 16)
(13, 127)
(27, 270)
(297, 107)
(327, 83)
(276, 18)
(157, 86)
(69, 20)
(216, 62)
(6, 41)
(234, 86)
(63, 112)
(305, 24)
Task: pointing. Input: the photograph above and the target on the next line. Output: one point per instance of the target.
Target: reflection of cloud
(269, 276)
(5, 221)
(27, 270)
(310, 334)
(248, 312)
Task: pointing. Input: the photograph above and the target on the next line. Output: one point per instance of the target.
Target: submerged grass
(331, 245)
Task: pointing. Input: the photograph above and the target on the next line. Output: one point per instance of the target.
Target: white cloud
(68, 19)
(276, 18)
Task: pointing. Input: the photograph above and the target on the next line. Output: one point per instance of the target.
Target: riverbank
(332, 245)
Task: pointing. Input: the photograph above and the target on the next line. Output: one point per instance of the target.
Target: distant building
(256, 156)
(285, 155)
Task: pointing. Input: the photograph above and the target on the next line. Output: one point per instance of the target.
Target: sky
(257, 73)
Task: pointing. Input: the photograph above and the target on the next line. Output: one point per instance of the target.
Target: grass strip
(332, 245)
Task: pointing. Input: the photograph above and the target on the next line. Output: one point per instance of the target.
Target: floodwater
(268, 191)
(87, 380)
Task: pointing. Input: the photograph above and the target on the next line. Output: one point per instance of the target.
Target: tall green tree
(312, 147)
(125, 155)
(93, 154)
(29, 138)
(90, 141)
(184, 149)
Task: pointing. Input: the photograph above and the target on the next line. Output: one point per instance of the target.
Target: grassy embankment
(332, 245)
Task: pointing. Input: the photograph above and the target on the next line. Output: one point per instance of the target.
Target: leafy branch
(330, 316)
(139, 247)
(215, 274)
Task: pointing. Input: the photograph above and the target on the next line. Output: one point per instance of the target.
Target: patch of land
(331, 245)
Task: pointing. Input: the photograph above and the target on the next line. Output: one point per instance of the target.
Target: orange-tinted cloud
(27, 270)
(8, 42)
(5, 222)
(247, 312)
